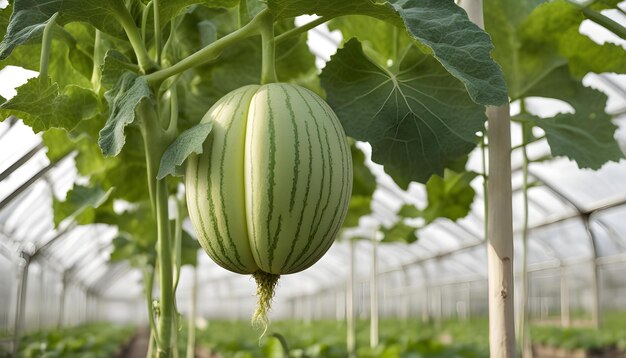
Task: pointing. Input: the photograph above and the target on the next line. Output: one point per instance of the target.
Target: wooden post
(374, 295)
(499, 217)
(500, 234)
(351, 334)
(565, 320)
(21, 303)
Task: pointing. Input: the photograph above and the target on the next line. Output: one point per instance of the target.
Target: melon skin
(271, 189)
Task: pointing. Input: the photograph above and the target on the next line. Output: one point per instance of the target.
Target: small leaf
(188, 142)
(114, 66)
(363, 182)
(399, 232)
(587, 136)
(417, 120)
(188, 250)
(409, 211)
(359, 206)
(129, 91)
(79, 204)
(449, 197)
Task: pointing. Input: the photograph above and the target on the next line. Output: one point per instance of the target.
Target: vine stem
(523, 322)
(300, 29)
(605, 22)
(136, 41)
(155, 142)
(98, 56)
(268, 47)
(46, 44)
(209, 52)
(483, 150)
(144, 18)
(157, 30)
(244, 15)
(148, 278)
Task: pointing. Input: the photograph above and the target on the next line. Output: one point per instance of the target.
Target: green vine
(46, 44)
(268, 69)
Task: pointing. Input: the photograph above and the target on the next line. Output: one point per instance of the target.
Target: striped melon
(271, 189)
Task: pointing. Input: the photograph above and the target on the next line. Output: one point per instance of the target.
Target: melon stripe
(319, 197)
(200, 217)
(313, 233)
(346, 187)
(313, 236)
(338, 218)
(306, 195)
(339, 213)
(203, 227)
(222, 198)
(209, 193)
(271, 179)
(296, 166)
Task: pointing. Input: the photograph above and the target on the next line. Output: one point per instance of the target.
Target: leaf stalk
(268, 48)
(46, 44)
(209, 52)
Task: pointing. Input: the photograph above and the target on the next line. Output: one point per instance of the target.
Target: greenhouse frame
(569, 240)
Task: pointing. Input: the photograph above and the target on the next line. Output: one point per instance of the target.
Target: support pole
(21, 303)
(565, 318)
(351, 334)
(500, 236)
(374, 295)
(191, 335)
(596, 318)
(61, 317)
(500, 221)
(406, 294)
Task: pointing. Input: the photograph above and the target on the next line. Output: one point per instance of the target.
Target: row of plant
(612, 335)
(398, 338)
(94, 340)
(327, 338)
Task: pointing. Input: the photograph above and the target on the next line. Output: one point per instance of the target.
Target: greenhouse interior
(481, 212)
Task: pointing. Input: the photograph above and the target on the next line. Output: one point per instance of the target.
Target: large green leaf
(461, 47)
(543, 54)
(533, 39)
(42, 106)
(416, 120)
(556, 25)
(29, 18)
(586, 136)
